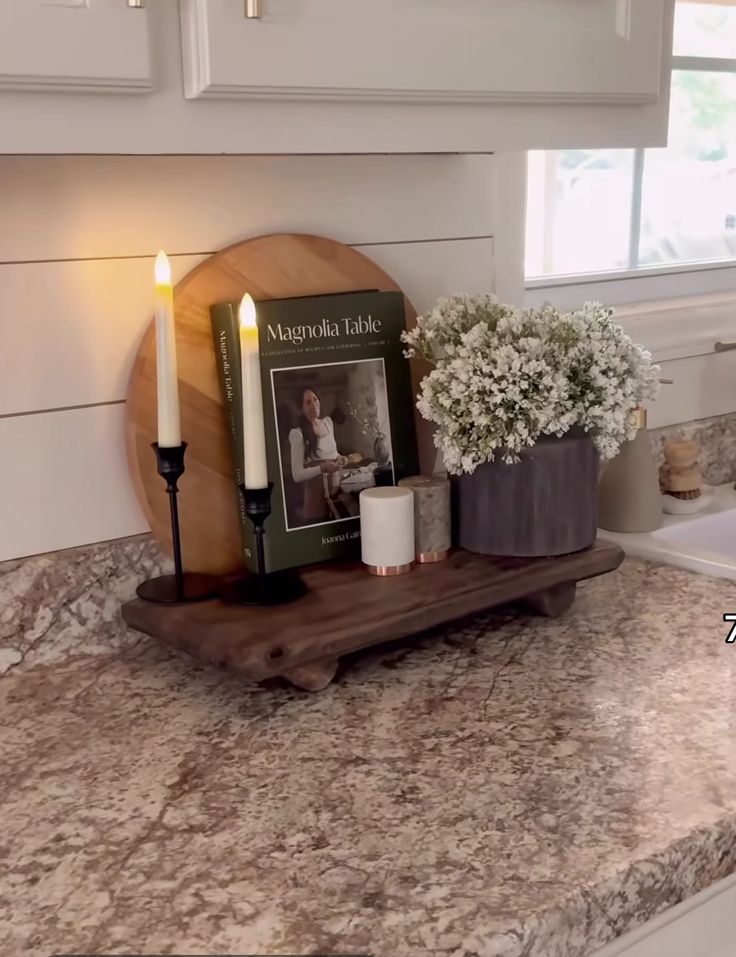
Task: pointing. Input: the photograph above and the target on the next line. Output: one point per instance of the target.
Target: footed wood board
(346, 609)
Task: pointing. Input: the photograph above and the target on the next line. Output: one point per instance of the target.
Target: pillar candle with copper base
(387, 530)
(431, 516)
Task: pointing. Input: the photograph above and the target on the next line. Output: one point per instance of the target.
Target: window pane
(705, 29)
(689, 193)
(578, 211)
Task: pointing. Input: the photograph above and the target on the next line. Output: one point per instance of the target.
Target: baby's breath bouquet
(505, 377)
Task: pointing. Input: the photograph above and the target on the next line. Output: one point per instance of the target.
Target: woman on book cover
(315, 460)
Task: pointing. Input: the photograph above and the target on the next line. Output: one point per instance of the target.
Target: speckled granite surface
(516, 787)
(717, 440)
(67, 603)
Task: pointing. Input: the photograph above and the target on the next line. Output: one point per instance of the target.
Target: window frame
(699, 271)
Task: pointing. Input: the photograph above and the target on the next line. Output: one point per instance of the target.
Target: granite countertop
(514, 786)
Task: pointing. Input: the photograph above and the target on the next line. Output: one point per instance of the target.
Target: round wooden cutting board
(269, 267)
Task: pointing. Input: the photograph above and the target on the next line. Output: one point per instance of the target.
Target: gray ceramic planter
(543, 505)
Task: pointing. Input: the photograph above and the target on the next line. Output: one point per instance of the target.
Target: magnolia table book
(339, 416)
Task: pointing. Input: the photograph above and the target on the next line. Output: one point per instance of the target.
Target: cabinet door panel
(73, 45)
(559, 51)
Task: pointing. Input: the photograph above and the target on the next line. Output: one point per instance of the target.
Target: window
(632, 211)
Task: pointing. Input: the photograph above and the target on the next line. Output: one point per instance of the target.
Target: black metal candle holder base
(181, 586)
(262, 588)
(278, 588)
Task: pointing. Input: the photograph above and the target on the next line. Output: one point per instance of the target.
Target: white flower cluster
(503, 377)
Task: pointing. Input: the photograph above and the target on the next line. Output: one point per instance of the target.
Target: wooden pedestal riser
(347, 609)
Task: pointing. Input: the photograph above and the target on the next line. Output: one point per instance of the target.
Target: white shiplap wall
(77, 239)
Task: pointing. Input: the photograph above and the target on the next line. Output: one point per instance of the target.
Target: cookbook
(339, 416)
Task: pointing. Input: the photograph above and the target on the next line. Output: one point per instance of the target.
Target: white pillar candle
(387, 529)
(167, 385)
(255, 470)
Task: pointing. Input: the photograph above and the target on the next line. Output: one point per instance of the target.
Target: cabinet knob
(136, 3)
(253, 9)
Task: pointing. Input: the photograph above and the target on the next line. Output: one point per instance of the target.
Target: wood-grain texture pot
(543, 505)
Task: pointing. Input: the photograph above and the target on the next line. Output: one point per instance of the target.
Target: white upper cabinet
(96, 45)
(332, 76)
(426, 51)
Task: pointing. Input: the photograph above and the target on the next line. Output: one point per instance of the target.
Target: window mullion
(635, 223)
(706, 64)
(550, 211)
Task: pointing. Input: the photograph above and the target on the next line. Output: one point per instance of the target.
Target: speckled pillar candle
(431, 516)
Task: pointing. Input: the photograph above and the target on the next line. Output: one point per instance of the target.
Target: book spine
(226, 341)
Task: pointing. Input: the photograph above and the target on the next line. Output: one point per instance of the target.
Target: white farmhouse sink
(704, 542)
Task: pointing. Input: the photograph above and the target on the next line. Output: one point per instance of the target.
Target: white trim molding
(615, 275)
(72, 84)
(509, 208)
(671, 285)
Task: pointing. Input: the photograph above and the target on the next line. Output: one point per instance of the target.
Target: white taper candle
(255, 470)
(167, 385)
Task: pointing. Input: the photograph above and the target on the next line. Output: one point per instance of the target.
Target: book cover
(339, 415)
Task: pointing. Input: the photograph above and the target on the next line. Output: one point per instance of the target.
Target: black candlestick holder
(262, 588)
(181, 586)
